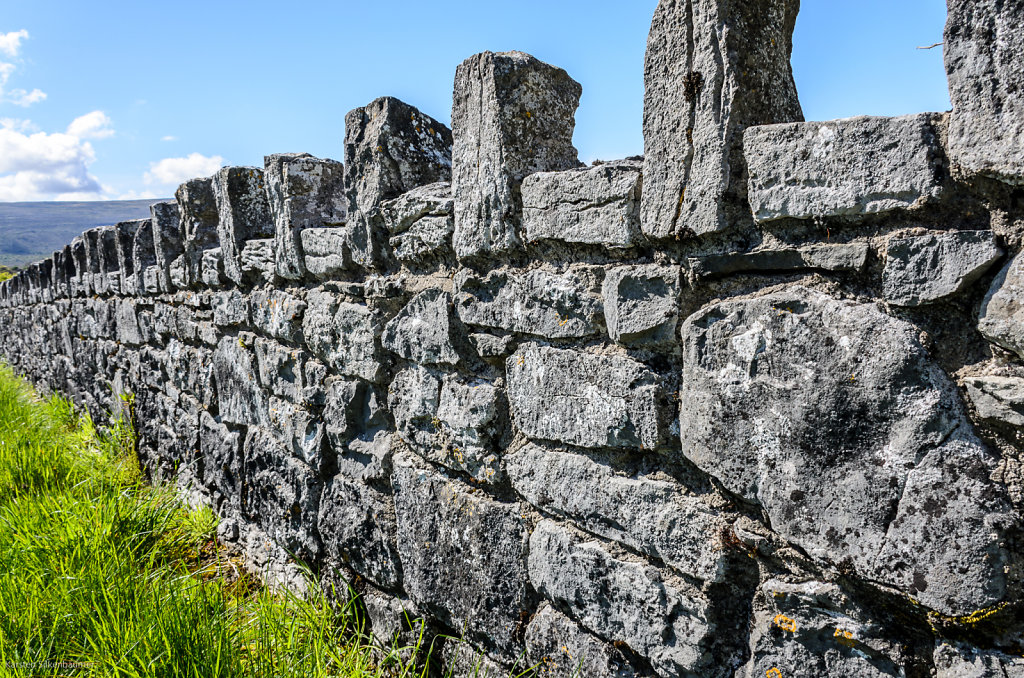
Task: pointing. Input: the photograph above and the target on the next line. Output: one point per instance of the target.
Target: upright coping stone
(243, 214)
(197, 206)
(390, 148)
(984, 50)
(512, 115)
(713, 68)
(166, 240)
(304, 192)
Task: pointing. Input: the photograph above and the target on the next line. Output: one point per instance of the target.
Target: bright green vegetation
(114, 577)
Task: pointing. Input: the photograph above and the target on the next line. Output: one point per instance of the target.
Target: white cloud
(136, 195)
(20, 97)
(18, 125)
(41, 166)
(169, 137)
(95, 125)
(173, 171)
(10, 43)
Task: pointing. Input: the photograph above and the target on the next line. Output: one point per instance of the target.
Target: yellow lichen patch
(784, 623)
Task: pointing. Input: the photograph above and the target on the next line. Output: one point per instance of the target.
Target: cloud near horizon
(173, 171)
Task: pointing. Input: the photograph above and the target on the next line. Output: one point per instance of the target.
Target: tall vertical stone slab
(143, 251)
(984, 48)
(125, 238)
(243, 214)
(197, 206)
(512, 115)
(390, 148)
(303, 192)
(167, 245)
(713, 68)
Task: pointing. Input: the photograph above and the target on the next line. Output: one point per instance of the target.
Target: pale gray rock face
(641, 304)
(143, 254)
(420, 222)
(656, 517)
(582, 399)
(277, 313)
(984, 40)
(831, 416)
(326, 252)
(838, 258)
(345, 336)
(551, 305)
(390, 148)
(230, 308)
(124, 234)
(850, 167)
(257, 260)
(923, 269)
(712, 69)
(562, 649)
(197, 206)
(167, 243)
(512, 115)
(595, 206)
(303, 193)
(241, 400)
(358, 528)
(463, 556)
(814, 629)
(998, 400)
(221, 450)
(427, 331)
(244, 214)
(211, 268)
(623, 600)
(961, 661)
(280, 369)
(1001, 320)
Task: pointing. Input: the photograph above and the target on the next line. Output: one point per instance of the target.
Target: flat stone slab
(641, 304)
(923, 269)
(998, 400)
(1001, 319)
(850, 257)
(843, 168)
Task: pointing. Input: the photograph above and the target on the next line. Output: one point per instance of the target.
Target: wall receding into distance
(749, 405)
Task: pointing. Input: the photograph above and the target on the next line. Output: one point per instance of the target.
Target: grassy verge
(101, 574)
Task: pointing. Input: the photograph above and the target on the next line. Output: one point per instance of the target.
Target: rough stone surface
(561, 649)
(420, 222)
(538, 302)
(596, 206)
(852, 257)
(641, 304)
(512, 115)
(984, 40)
(243, 214)
(345, 336)
(846, 168)
(963, 661)
(831, 416)
(582, 399)
(998, 400)
(712, 69)
(1001, 320)
(197, 206)
(923, 269)
(426, 331)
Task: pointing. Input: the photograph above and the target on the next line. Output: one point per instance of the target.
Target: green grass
(103, 575)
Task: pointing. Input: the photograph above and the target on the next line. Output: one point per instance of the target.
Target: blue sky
(113, 99)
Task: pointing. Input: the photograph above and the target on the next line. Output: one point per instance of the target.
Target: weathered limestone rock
(561, 649)
(961, 661)
(655, 517)
(241, 399)
(624, 600)
(923, 269)
(143, 256)
(299, 431)
(427, 331)
(712, 69)
(551, 305)
(512, 115)
(304, 193)
(221, 451)
(848, 167)
(326, 251)
(596, 206)
(832, 417)
(243, 214)
(257, 260)
(641, 304)
(345, 336)
(838, 258)
(390, 148)
(582, 399)
(815, 629)
(277, 313)
(127, 323)
(230, 308)
(998, 400)
(124, 239)
(420, 222)
(167, 242)
(211, 268)
(1001, 320)
(463, 556)
(280, 369)
(984, 40)
(197, 206)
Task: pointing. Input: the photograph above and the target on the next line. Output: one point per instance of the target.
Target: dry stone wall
(750, 405)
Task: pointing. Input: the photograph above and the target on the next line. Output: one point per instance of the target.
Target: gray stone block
(211, 268)
(851, 257)
(923, 269)
(512, 115)
(124, 239)
(843, 168)
(998, 400)
(984, 40)
(583, 399)
(167, 242)
(420, 223)
(241, 400)
(345, 336)
(594, 206)
(304, 193)
(197, 207)
(230, 308)
(538, 302)
(1001, 319)
(560, 648)
(277, 314)
(280, 369)
(956, 660)
(641, 304)
(326, 251)
(712, 69)
(427, 331)
(257, 260)
(831, 416)
(244, 214)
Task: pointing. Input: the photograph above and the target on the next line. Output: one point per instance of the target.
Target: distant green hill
(30, 231)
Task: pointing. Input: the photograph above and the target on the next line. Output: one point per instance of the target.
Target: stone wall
(758, 415)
